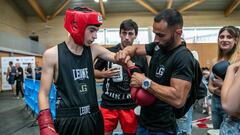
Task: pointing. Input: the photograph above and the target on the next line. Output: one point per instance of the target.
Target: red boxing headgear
(75, 22)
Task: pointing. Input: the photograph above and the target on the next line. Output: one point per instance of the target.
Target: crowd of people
(161, 74)
(15, 76)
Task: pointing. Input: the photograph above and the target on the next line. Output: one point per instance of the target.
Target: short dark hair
(83, 9)
(10, 62)
(171, 16)
(129, 24)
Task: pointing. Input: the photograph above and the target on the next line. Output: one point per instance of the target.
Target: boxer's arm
(103, 53)
(47, 79)
(45, 121)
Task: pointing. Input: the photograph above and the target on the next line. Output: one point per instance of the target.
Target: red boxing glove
(45, 123)
(142, 97)
(139, 95)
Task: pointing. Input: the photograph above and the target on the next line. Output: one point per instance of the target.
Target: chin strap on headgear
(75, 22)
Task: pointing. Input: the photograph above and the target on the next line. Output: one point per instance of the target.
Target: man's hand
(122, 57)
(137, 79)
(110, 72)
(217, 82)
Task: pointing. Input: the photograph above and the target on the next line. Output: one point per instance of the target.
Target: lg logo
(83, 88)
(160, 71)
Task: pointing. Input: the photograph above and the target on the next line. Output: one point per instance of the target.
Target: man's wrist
(146, 83)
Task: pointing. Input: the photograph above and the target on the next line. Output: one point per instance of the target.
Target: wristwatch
(146, 83)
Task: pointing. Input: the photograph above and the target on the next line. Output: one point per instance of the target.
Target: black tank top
(75, 85)
(13, 71)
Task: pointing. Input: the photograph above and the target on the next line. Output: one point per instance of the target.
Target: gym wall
(11, 20)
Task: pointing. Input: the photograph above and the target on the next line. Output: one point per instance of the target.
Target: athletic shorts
(69, 123)
(11, 80)
(127, 118)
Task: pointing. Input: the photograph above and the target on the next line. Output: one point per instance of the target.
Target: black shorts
(89, 124)
(11, 80)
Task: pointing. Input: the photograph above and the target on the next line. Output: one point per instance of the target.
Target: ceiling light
(102, 0)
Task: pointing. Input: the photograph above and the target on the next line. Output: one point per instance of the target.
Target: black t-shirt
(12, 72)
(160, 116)
(19, 75)
(38, 72)
(116, 95)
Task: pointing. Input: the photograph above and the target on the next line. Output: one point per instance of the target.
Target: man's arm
(175, 94)
(8, 72)
(99, 51)
(20, 71)
(135, 50)
(231, 90)
(47, 78)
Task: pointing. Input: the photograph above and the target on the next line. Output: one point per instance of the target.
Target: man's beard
(168, 45)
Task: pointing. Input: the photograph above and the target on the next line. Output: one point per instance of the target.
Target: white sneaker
(17, 97)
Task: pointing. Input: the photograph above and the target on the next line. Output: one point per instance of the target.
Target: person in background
(10, 76)
(119, 108)
(207, 99)
(28, 71)
(227, 46)
(230, 94)
(19, 80)
(38, 71)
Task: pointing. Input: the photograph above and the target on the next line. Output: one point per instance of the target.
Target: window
(100, 37)
(145, 35)
(207, 35)
(112, 36)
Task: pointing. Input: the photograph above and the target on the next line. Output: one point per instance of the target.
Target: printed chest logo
(83, 88)
(80, 74)
(160, 71)
(156, 48)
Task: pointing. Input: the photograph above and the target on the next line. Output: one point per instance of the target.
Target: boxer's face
(90, 34)
(127, 37)
(226, 41)
(164, 35)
